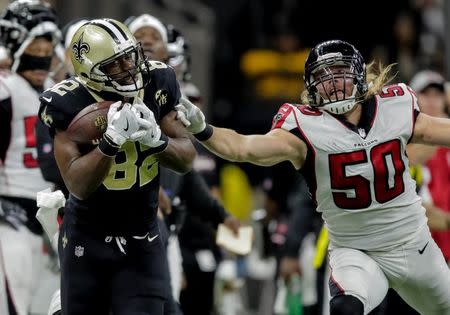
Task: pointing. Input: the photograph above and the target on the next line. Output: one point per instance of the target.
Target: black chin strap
(30, 62)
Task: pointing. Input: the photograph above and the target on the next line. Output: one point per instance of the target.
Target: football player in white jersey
(28, 29)
(349, 140)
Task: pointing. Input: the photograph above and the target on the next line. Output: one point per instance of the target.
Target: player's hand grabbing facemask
(122, 123)
(149, 134)
(191, 116)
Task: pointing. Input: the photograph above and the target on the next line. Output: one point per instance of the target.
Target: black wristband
(205, 134)
(107, 146)
(164, 145)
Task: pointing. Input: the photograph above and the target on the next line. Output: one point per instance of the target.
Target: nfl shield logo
(362, 132)
(79, 251)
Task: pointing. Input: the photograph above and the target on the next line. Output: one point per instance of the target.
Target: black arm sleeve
(46, 158)
(299, 225)
(199, 200)
(5, 126)
(302, 220)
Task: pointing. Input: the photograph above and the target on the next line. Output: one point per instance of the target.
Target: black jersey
(127, 200)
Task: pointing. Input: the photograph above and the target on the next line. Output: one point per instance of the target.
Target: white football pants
(416, 270)
(22, 260)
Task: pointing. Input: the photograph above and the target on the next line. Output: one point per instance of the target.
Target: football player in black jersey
(111, 255)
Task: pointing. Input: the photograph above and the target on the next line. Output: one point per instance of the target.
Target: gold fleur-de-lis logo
(80, 48)
(46, 119)
(161, 97)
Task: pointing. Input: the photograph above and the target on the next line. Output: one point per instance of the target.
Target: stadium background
(247, 55)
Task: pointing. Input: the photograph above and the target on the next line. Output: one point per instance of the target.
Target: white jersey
(360, 177)
(20, 175)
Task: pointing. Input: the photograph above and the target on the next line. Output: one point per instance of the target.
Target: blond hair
(377, 76)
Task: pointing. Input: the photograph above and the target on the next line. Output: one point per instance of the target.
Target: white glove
(191, 116)
(149, 133)
(122, 123)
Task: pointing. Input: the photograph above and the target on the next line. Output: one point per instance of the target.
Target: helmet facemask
(179, 53)
(335, 77)
(124, 82)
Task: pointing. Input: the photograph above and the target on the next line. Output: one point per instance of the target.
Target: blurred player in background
(202, 212)
(200, 254)
(5, 59)
(62, 68)
(349, 140)
(434, 191)
(44, 142)
(29, 31)
(151, 33)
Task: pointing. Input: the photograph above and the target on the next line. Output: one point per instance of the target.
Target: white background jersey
(20, 175)
(361, 179)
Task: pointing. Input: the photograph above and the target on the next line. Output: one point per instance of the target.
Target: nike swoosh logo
(150, 239)
(126, 128)
(423, 249)
(47, 99)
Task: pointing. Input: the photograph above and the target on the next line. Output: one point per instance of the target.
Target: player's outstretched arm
(438, 219)
(431, 130)
(180, 152)
(420, 153)
(276, 146)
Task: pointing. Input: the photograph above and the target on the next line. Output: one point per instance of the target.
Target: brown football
(88, 126)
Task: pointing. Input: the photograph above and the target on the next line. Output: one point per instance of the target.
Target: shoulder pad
(283, 118)
(163, 91)
(393, 90)
(396, 92)
(60, 103)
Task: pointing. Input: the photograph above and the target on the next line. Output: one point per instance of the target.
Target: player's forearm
(438, 220)
(179, 155)
(262, 150)
(84, 174)
(432, 130)
(200, 201)
(419, 153)
(227, 144)
(441, 134)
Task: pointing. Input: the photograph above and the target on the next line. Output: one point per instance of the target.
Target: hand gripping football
(88, 126)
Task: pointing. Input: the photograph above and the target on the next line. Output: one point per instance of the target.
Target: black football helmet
(335, 53)
(22, 21)
(179, 52)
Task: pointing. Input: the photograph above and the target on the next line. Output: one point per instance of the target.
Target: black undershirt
(5, 127)
(368, 109)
